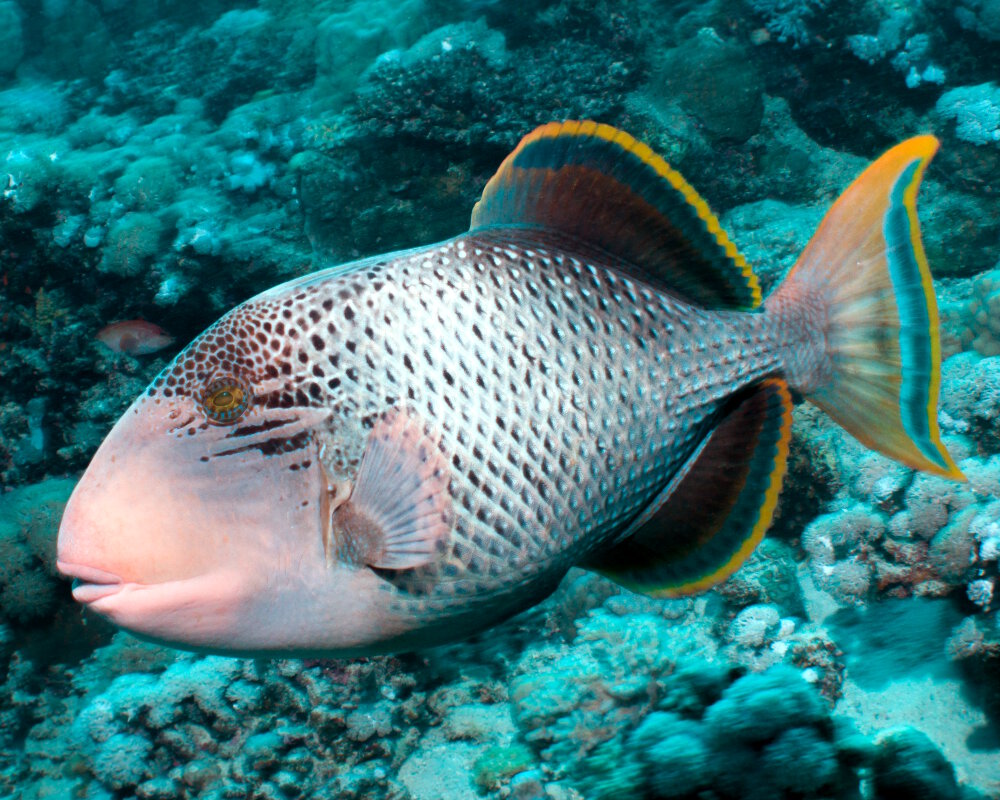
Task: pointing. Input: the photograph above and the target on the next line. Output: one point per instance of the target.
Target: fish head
(204, 508)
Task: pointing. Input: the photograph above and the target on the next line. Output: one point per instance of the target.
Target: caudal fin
(866, 274)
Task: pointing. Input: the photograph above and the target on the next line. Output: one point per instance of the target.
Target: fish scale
(566, 393)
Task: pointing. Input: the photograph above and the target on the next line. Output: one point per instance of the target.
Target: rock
(11, 38)
(908, 765)
(716, 82)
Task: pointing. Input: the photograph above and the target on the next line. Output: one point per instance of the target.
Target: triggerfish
(401, 451)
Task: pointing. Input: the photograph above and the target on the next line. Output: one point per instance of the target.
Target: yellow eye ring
(226, 399)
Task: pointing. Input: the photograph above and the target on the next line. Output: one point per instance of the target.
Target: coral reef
(166, 161)
(29, 519)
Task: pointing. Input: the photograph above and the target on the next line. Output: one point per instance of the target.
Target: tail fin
(866, 274)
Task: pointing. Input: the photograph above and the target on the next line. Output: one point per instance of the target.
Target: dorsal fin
(600, 186)
(707, 521)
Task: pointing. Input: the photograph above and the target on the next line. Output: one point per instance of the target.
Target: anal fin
(707, 521)
(399, 511)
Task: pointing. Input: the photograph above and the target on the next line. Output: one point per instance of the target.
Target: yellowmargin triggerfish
(403, 450)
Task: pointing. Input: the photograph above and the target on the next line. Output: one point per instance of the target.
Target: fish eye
(226, 399)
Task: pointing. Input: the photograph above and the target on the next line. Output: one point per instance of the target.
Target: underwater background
(164, 161)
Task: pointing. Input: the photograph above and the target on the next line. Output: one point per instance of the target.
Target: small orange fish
(135, 337)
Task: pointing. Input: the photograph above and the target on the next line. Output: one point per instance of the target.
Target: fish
(407, 449)
(135, 337)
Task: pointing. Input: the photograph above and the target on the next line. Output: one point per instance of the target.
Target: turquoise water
(166, 161)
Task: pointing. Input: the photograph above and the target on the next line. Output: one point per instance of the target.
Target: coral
(980, 592)
(952, 551)
(976, 111)
(27, 595)
(771, 235)
(714, 81)
(132, 241)
(768, 735)
(229, 61)
(167, 161)
(980, 16)
(29, 519)
(788, 19)
(899, 37)
(29, 169)
(962, 220)
(819, 658)
(755, 625)
(248, 174)
(35, 106)
(974, 646)
(897, 533)
(758, 708)
(11, 37)
(349, 41)
(694, 685)
(907, 764)
(768, 576)
(609, 771)
(800, 763)
(981, 317)
(434, 91)
(572, 703)
(837, 545)
(499, 764)
(970, 394)
(677, 759)
(148, 184)
(123, 760)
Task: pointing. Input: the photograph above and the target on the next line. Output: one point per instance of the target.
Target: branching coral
(788, 19)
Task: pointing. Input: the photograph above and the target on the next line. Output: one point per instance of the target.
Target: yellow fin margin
(517, 196)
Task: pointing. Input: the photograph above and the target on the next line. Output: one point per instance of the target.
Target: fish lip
(90, 584)
(89, 593)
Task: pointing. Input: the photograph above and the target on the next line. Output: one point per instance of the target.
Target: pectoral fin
(398, 514)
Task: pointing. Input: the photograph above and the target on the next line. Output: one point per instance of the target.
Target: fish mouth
(89, 583)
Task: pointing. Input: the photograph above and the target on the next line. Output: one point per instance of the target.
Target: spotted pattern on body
(564, 394)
